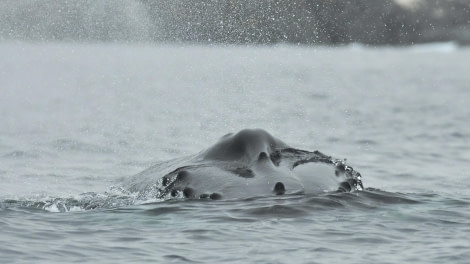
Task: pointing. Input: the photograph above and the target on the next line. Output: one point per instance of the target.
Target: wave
(436, 47)
(288, 205)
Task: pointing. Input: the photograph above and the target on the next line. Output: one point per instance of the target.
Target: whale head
(252, 163)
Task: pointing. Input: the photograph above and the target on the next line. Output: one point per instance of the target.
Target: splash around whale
(250, 163)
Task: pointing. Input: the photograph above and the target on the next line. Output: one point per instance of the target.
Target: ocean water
(77, 120)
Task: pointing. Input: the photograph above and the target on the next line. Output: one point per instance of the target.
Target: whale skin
(249, 163)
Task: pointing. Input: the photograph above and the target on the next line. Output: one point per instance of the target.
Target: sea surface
(77, 120)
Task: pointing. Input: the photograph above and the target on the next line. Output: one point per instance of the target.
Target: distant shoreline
(245, 22)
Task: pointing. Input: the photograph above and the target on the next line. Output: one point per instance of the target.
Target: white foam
(443, 47)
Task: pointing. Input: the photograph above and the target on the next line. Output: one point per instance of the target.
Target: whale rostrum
(246, 164)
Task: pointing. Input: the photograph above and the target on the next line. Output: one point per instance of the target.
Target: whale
(249, 163)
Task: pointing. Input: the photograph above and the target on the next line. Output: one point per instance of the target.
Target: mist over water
(94, 92)
(309, 22)
(81, 20)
